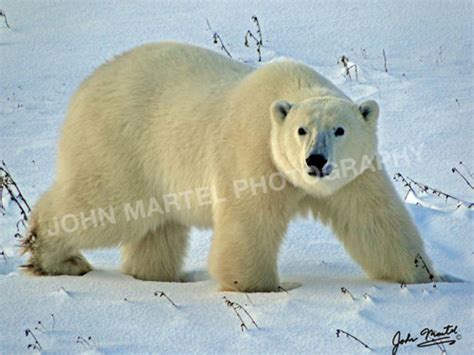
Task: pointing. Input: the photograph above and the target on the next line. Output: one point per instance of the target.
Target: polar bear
(170, 136)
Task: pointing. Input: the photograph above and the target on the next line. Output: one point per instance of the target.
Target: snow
(425, 129)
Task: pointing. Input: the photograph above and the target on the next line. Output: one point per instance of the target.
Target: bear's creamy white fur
(168, 118)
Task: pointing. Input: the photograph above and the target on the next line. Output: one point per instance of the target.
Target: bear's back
(159, 63)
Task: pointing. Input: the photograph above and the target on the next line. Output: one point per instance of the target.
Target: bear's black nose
(316, 162)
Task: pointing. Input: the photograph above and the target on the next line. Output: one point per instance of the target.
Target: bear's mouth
(315, 172)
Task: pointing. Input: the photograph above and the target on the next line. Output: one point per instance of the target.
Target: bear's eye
(339, 132)
(302, 131)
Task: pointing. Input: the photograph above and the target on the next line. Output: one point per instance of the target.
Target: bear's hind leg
(158, 256)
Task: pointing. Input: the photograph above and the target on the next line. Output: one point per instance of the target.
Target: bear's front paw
(235, 273)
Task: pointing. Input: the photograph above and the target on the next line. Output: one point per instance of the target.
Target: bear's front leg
(245, 248)
(372, 222)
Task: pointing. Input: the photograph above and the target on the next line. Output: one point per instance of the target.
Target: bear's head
(322, 144)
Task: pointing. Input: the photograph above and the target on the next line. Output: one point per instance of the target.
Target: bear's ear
(369, 111)
(279, 110)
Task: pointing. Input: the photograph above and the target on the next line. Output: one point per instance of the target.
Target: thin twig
(10, 180)
(81, 340)
(384, 61)
(405, 184)
(8, 183)
(236, 308)
(4, 15)
(36, 344)
(41, 327)
(439, 193)
(345, 291)
(248, 298)
(258, 41)
(419, 258)
(242, 323)
(259, 30)
(86, 344)
(251, 35)
(217, 39)
(345, 63)
(465, 167)
(162, 294)
(455, 170)
(248, 35)
(339, 331)
(427, 189)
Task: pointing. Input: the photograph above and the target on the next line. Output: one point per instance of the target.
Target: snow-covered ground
(425, 129)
